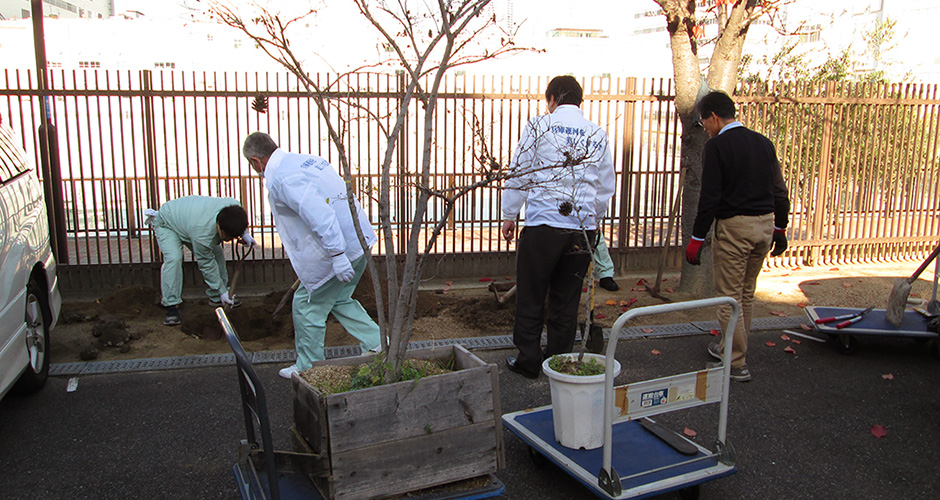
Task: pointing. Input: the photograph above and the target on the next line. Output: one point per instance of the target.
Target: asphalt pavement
(801, 429)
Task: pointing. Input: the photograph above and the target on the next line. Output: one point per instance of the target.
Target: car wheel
(37, 341)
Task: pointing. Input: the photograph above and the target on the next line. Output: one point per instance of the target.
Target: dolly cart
(914, 325)
(640, 457)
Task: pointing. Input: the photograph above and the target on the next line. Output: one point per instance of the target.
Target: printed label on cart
(653, 398)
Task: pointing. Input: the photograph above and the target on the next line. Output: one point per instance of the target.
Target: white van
(29, 293)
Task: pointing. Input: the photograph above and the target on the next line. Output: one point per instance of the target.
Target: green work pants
(311, 310)
(171, 272)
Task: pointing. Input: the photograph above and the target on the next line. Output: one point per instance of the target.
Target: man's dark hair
(565, 89)
(716, 102)
(232, 220)
(258, 145)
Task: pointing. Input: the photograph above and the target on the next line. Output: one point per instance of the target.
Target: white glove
(343, 268)
(149, 214)
(247, 240)
(229, 301)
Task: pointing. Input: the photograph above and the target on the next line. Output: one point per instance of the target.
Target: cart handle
(659, 309)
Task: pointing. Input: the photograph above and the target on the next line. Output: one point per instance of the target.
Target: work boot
(740, 374)
(287, 372)
(715, 350)
(609, 284)
(172, 317)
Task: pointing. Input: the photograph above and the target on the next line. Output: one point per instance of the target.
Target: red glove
(778, 243)
(692, 251)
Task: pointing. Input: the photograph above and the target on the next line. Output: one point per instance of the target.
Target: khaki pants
(740, 245)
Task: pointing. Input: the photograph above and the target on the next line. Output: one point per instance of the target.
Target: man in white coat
(309, 202)
(562, 173)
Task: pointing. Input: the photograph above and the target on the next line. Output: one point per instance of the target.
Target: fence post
(150, 153)
(626, 165)
(821, 207)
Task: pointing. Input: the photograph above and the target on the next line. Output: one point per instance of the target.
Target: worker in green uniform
(201, 224)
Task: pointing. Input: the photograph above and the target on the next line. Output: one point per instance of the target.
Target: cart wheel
(844, 344)
(537, 458)
(934, 348)
(690, 493)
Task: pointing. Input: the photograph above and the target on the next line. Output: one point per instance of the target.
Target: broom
(897, 300)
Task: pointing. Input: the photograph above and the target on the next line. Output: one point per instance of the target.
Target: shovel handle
(932, 256)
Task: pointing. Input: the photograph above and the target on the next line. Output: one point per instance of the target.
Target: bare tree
(424, 40)
(733, 18)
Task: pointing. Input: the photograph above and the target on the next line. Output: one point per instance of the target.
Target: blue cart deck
(646, 465)
(913, 324)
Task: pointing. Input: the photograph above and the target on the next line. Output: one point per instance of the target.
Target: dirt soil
(128, 323)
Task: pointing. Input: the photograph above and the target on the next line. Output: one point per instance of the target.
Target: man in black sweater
(743, 193)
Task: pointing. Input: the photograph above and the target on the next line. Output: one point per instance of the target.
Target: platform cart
(640, 457)
(845, 340)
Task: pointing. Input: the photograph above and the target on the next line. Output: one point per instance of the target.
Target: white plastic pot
(578, 405)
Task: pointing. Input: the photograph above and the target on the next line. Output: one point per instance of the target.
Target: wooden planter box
(402, 437)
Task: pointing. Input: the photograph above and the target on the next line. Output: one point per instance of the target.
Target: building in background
(589, 38)
(59, 9)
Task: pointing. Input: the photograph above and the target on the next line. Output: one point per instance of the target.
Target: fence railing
(861, 161)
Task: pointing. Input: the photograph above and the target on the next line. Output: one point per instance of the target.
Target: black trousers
(552, 263)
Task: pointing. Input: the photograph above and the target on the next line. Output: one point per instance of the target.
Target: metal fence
(860, 160)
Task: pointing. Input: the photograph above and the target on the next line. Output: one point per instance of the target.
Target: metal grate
(480, 343)
(773, 323)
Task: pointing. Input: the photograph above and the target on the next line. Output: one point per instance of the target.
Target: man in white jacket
(563, 174)
(311, 212)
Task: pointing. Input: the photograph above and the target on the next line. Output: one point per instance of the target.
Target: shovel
(238, 270)
(290, 291)
(594, 341)
(897, 300)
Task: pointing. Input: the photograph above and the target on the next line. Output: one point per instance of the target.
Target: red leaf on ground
(879, 431)
(584, 289)
(670, 290)
(833, 268)
(486, 279)
(623, 309)
(805, 326)
(779, 313)
(888, 376)
(655, 352)
(611, 302)
(714, 332)
(665, 279)
(600, 316)
(641, 282)
(769, 344)
(689, 432)
(647, 330)
(507, 278)
(812, 283)
(802, 304)
(789, 350)
(784, 337)
(914, 294)
(797, 342)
